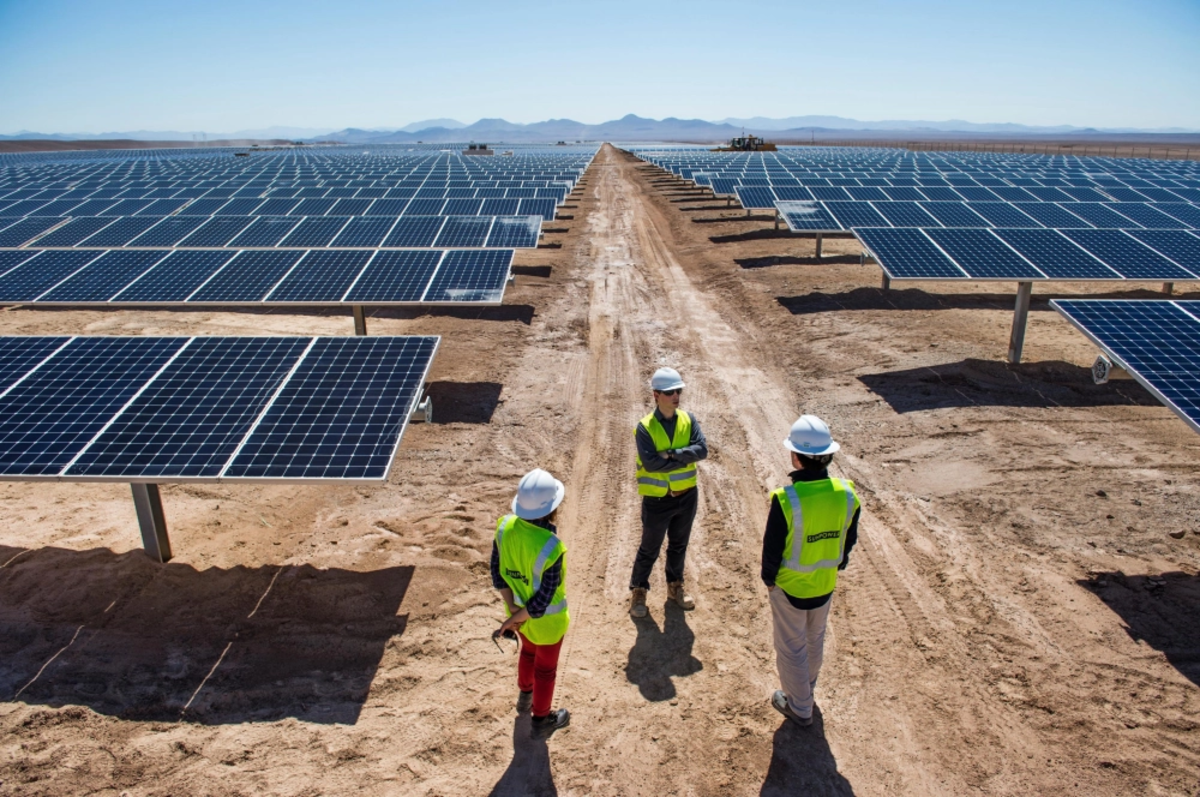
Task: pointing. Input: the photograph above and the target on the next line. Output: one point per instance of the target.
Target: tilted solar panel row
(206, 409)
(845, 216)
(319, 277)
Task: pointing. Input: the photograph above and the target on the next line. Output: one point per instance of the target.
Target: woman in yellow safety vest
(811, 527)
(529, 569)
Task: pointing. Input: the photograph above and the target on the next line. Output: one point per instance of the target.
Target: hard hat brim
(545, 509)
(829, 449)
(676, 385)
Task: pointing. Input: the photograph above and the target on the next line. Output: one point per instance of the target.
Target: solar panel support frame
(360, 319)
(1016, 341)
(152, 521)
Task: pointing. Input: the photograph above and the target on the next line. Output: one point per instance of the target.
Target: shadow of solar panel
(908, 254)
(983, 255)
(33, 278)
(191, 418)
(1052, 216)
(1180, 246)
(322, 277)
(905, 214)
(475, 277)
(395, 276)
(26, 229)
(75, 231)
(315, 232)
(514, 232)
(855, 214)
(168, 231)
(19, 355)
(1126, 255)
(955, 214)
(341, 414)
(464, 231)
(48, 418)
(366, 231)
(247, 278)
(1148, 216)
(1156, 341)
(173, 279)
(103, 277)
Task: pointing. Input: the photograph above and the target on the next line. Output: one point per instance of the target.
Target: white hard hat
(666, 379)
(810, 437)
(538, 494)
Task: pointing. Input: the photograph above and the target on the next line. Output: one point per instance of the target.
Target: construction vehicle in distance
(745, 143)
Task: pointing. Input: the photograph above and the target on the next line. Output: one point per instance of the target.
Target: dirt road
(1017, 618)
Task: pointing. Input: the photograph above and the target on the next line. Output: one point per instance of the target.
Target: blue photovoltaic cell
(94, 207)
(169, 231)
(349, 207)
(462, 207)
(1057, 257)
(1051, 215)
(75, 231)
(1122, 194)
(203, 207)
(1156, 341)
(322, 276)
(1188, 214)
(1010, 193)
(792, 193)
(1127, 256)
(1100, 216)
(905, 214)
(174, 279)
(316, 232)
(25, 208)
(1180, 246)
(279, 206)
(829, 193)
(103, 277)
(19, 355)
(801, 216)
(31, 279)
(414, 231)
(1084, 194)
(218, 231)
(192, 417)
(756, 197)
(10, 260)
(49, 417)
(1160, 194)
(387, 207)
(265, 231)
(127, 207)
(313, 207)
(395, 276)
(239, 207)
(955, 214)
(342, 413)
(23, 230)
(866, 193)
(1187, 194)
(983, 255)
(908, 254)
(464, 231)
(161, 207)
(974, 193)
(935, 194)
(1145, 214)
(424, 207)
(546, 208)
(247, 277)
(60, 207)
(120, 232)
(903, 193)
(365, 231)
(514, 232)
(855, 214)
(1002, 214)
(1048, 193)
(471, 276)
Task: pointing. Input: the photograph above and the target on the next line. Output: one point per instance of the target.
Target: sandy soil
(1018, 617)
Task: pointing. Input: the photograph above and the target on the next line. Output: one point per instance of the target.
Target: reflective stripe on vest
(797, 522)
(658, 483)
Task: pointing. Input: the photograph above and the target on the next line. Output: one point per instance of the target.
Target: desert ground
(1021, 615)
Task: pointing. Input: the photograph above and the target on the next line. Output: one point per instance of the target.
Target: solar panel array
(206, 409)
(1157, 342)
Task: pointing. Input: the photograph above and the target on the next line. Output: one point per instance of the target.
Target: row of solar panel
(759, 197)
(544, 207)
(79, 178)
(158, 409)
(183, 190)
(355, 277)
(1158, 342)
(403, 232)
(1027, 255)
(844, 216)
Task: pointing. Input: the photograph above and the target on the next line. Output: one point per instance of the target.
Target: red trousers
(537, 670)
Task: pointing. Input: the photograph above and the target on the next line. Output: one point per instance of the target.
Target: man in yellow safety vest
(530, 571)
(669, 444)
(811, 528)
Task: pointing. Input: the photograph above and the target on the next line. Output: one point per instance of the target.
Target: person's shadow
(802, 763)
(528, 775)
(657, 655)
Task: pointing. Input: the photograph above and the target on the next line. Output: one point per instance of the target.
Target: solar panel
(313, 207)
(865, 193)
(1147, 215)
(266, 231)
(1011, 193)
(1051, 215)
(937, 194)
(955, 214)
(424, 207)
(277, 206)
(175, 278)
(1048, 194)
(908, 254)
(1188, 214)
(1157, 342)
(538, 206)
(103, 277)
(120, 231)
(75, 231)
(218, 231)
(386, 207)
(19, 355)
(1100, 216)
(25, 229)
(973, 193)
(1180, 246)
(33, 278)
(462, 207)
(168, 231)
(349, 207)
(315, 232)
(10, 260)
(514, 232)
(753, 197)
(829, 193)
(807, 216)
(471, 277)
(792, 193)
(1055, 256)
(1002, 214)
(855, 214)
(414, 231)
(1127, 256)
(395, 276)
(464, 231)
(321, 277)
(983, 255)
(903, 194)
(366, 231)
(161, 207)
(905, 214)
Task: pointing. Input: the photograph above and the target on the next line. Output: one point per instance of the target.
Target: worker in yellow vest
(811, 528)
(669, 444)
(529, 569)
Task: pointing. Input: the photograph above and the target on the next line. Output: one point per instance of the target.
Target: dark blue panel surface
(415, 231)
(754, 197)
(462, 207)
(349, 207)
(265, 231)
(906, 214)
(464, 231)
(807, 216)
(322, 276)
(904, 193)
(1002, 214)
(471, 276)
(1181, 247)
(278, 206)
(395, 276)
(514, 232)
(829, 193)
(316, 232)
(1146, 214)
(313, 207)
(866, 193)
(120, 232)
(364, 231)
(218, 231)
(176, 278)
(1100, 215)
(973, 193)
(546, 208)
(424, 207)
(1055, 256)
(169, 231)
(25, 229)
(937, 194)
(33, 278)
(19, 355)
(1127, 256)
(341, 414)
(955, 214)
(908, 254)
(983, 255)
(1051, 215)
(103, 277)
(203, 207)
(387, 207)
(75, 231)
(855, 214)
(247, 277)
(1187, 213)
(10, 260)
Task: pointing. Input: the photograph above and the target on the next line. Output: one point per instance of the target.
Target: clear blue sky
(214, 65)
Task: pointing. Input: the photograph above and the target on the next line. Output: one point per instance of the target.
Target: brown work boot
(675, 593)
(637, 603)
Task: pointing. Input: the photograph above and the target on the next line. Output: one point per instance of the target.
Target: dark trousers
(670, 517)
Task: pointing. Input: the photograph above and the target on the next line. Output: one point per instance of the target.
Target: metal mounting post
(1016, 341)
(777, 220)
(887, 282)
(152, 522)
(747, 212)
(818, 246)
(360, 320)
(1168, 288)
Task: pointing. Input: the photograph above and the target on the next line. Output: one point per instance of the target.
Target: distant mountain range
(628, 128)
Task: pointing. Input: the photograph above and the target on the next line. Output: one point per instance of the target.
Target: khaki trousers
(799, 649)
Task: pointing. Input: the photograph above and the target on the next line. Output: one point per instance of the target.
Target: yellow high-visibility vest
(656, 484)
(526, 551)
(816, 543)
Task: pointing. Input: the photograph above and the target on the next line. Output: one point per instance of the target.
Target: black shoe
(524, 701)
(544, 727)
(779, 702)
